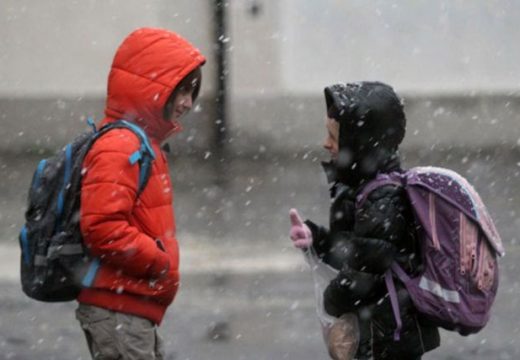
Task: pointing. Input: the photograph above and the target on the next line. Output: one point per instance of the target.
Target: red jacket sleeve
(108, 195)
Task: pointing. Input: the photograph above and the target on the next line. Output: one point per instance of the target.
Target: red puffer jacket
(133, 238)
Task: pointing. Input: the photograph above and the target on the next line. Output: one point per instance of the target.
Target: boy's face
(331, 141)
(182, 98)
(182, 103)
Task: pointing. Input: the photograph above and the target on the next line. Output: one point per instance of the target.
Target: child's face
(331, 141)
(182, 103)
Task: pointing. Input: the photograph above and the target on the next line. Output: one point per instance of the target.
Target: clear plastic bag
(341, 335)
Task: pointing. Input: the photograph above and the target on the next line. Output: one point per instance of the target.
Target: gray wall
(434, 122)
(417, 45)
(455, 63)
(64, 48)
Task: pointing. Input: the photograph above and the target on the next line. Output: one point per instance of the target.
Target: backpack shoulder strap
(393, 178)
(143, 156)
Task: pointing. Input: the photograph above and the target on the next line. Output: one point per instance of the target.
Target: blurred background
(251, 149)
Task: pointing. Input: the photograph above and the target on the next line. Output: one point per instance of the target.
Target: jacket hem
(124, 303)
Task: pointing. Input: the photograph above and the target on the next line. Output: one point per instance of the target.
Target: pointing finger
(295, 218)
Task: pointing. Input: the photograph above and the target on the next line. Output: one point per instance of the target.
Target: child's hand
(300, 233)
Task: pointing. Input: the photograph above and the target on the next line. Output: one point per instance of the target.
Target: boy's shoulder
(120, 140)
(385, 192)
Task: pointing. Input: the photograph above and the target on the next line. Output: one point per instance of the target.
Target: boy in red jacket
(154, 80)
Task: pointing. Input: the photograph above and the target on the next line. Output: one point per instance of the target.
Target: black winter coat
(362, 243)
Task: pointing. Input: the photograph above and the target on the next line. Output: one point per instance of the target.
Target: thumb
(295, 218)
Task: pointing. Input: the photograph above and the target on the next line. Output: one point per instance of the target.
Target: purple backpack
(459, 245)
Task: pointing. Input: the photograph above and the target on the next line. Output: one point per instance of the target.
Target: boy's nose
(326, 144)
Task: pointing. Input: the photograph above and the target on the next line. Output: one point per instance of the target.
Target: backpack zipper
(486, 268)
(468, 237)
(433, 222)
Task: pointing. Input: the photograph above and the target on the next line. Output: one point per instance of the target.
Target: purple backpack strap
(393, 178)
(389, 281)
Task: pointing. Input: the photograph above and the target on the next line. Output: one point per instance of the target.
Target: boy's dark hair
(190, 81)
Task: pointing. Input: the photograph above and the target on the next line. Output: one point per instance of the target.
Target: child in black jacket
(366, 123)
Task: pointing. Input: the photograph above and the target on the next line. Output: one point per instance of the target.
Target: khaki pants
(116, 336)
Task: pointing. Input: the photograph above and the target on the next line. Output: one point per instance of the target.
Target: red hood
(146, 68)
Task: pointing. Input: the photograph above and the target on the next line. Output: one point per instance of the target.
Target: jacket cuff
(315, 229)
(320, 236)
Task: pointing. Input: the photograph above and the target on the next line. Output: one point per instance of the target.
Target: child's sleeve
(381, 230)
(320, 238)
(342, 214)
(350, 290)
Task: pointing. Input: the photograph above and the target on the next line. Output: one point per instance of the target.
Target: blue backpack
(54, 260)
